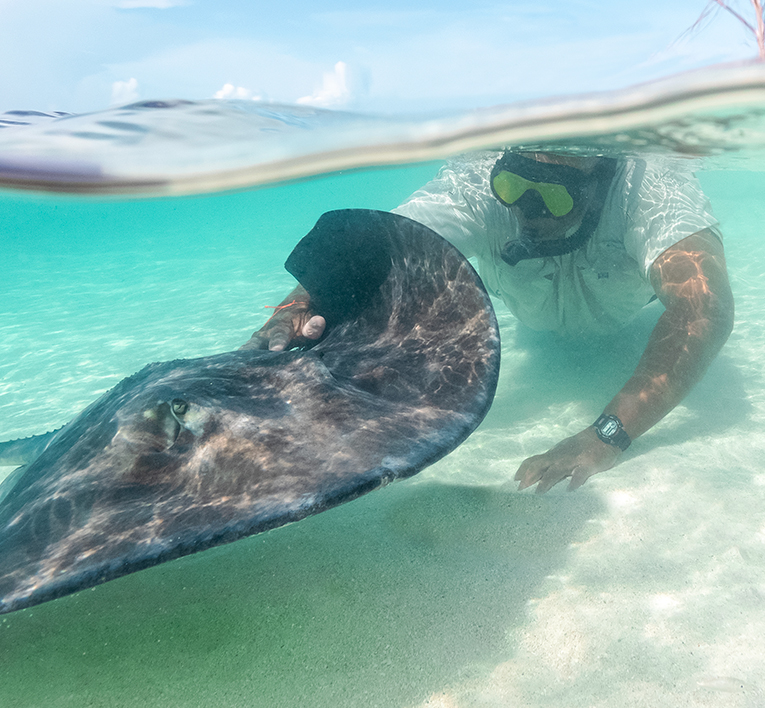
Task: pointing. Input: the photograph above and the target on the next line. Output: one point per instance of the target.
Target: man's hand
(578, 457)
(291, 325)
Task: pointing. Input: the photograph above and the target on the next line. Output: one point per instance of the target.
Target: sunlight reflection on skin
(691, 281)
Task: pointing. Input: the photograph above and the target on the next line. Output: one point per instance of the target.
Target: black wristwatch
(610, 430)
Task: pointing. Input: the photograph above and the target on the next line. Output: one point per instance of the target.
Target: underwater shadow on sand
(377, 603)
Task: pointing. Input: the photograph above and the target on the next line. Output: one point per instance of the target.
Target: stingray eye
(179, 406)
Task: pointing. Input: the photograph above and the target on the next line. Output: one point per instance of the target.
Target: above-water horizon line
(175, 148)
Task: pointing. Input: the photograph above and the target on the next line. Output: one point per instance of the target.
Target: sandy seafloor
(644, 588)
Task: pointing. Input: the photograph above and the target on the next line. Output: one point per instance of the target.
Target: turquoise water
(116, 284)
(644, 588)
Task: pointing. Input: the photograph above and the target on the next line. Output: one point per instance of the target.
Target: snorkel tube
(588, 189)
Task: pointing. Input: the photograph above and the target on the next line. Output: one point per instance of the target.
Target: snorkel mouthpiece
(513, 252)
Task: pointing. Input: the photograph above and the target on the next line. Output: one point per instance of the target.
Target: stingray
(189, 454)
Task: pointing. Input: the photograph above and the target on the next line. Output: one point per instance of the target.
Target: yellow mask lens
(511, 187)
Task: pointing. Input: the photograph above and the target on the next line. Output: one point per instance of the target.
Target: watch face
(609, 428)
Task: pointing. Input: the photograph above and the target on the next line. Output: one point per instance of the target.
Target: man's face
(546, 227)
(539, 224)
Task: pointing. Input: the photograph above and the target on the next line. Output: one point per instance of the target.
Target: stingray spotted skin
(189, 454)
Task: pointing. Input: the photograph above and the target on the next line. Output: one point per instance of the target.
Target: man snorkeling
(578, 245)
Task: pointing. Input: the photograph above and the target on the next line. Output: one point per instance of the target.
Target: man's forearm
(681, 347)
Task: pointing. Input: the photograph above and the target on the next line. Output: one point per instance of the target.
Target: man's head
(557, 200)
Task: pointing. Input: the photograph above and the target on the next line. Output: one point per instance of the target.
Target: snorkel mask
(545, 190)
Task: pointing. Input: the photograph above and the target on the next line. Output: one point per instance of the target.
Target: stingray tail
(24, 450)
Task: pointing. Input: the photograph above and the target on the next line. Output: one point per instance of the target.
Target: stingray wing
(189, 454)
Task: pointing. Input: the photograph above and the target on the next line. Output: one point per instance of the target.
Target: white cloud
(124, 92)
(200, 69)
(334, 90)
(231, 91)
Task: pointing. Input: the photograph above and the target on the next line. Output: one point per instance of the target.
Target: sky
(383, 56)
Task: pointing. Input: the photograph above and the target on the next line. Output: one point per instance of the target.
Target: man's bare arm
(691, 280)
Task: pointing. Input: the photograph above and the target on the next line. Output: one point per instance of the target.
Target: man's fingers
(579, 457)
(530, 472)
(583, 472)
(552, 476)
(282, 334)
(314, 328)
(279, 337)
(579, 477)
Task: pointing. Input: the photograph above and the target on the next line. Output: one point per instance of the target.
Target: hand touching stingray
(292, 324)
